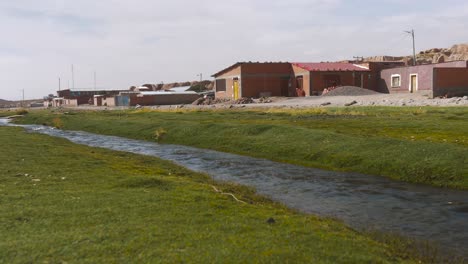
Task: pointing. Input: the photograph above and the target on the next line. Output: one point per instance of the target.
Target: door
(413, 83)
(299, 86)
(358, 80)
(235, 89)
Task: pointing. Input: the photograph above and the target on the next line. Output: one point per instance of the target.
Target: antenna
(414, 46)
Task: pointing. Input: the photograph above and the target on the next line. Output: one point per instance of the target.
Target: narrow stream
(361, 201)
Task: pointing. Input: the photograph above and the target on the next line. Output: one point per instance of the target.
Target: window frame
(399, 80)
(217, 86)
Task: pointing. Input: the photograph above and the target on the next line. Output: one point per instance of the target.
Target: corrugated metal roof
(165, 92)
(180, 89)
(329, 66)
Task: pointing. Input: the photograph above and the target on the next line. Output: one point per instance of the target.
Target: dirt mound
(349, 91)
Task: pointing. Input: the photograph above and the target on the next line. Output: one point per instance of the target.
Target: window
(221, 85)
(396, 80)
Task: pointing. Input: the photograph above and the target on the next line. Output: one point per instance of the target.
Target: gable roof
(227, 69)
(242, 63)
(330, 66)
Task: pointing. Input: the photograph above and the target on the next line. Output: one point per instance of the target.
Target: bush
(159, 134)
(21, 111)
(57, 123)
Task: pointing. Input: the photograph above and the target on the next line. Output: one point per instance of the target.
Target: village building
(254, 79)
(314, 78)
(176, 95)
(441, 79)
(84, 96)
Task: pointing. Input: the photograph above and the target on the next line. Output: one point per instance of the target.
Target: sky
(152, 41)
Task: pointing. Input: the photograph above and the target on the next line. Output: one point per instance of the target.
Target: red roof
(330, 66)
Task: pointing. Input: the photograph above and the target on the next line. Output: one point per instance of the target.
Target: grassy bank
(420, 145)
(61, 202)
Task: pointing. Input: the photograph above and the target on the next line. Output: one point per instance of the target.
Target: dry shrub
(57, 123)
(159, 134)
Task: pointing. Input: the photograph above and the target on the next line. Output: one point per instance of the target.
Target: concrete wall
(163, 99)
(450, 82)
(71, 102)
(424, 77)
(108, 101)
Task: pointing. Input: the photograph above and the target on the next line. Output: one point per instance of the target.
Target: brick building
(254, 79)
(441, 79)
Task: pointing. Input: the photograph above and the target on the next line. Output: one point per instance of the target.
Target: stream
(361, 201)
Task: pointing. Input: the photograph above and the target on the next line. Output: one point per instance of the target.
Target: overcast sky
(151, 41)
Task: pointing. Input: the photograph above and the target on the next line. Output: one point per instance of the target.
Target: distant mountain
(435, 55)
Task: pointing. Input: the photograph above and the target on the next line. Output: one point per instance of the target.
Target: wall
(450, 82)
(269, 79)
(258, 79)
(424, 73)
(298, 71)
(376, 68)
(163, 99)
(108, 101)
(229, 75)
(318, 80)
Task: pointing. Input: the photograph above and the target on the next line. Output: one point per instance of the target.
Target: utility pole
(201, 76)
(59, 83)
(94, 80)
(414, 46)
(73, 77)
(22, 101)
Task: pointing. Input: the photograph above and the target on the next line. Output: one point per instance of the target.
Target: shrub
(21, 111)
(57, 123)
(159, 134)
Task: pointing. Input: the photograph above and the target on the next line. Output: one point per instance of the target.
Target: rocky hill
(435, 55)
(5, 103)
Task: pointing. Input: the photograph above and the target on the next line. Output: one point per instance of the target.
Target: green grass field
(415, 144)
(61, 202)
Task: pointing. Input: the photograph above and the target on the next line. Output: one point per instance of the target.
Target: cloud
(141, 41)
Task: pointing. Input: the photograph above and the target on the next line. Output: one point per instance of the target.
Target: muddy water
(361, 201)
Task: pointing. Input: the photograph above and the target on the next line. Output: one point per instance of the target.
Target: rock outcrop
(435, 55)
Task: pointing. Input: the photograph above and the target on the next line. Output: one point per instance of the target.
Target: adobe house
(85, 96)
(313, 78)
(254, 79)
(441, 79)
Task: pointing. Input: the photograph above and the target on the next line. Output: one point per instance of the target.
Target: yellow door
(236, 89)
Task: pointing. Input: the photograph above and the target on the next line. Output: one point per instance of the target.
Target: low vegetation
(415, 144)
(61, 202)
